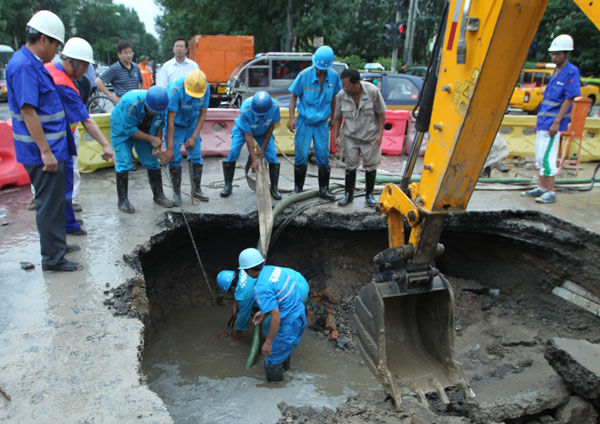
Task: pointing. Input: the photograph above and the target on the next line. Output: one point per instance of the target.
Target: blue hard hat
(249, 258)
(323, 57)
(224, 279)
(261, 103)
(157, 99)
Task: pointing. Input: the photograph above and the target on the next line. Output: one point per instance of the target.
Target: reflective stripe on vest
(61, 78)
(49, 136)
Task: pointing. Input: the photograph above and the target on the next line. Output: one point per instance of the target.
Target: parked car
(273, 72)
(5, 55)
(399, 91)
(529, 91)
(418, 71)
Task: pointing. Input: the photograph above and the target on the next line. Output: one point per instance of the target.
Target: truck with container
(217, 56)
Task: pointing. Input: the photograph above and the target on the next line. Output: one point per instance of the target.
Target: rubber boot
(349, 188)
(299, 177)
(228, 171)
(155, 179)
(122, 186)
(274, 373)
(324, 184)
(274, 177)
(197, 180)
(369, 186)
(175, 174)
(286, 363)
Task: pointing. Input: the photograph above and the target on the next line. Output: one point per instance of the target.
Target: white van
(272, 72)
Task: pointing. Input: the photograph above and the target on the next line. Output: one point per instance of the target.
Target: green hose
(417, 178)
(254, 346)
(284, 203)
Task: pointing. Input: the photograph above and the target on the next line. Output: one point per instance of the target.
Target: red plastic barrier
(11, 171)
(394, 132)
(216, 132)
(410, 136)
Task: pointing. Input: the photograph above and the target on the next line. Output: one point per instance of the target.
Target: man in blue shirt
(243, 296)
(314, 91)
(138, 120)
(279, 292)
(76, 56)
(553, 116)
(188, 103)
(42, 138)
(124, 74)
(256, 121)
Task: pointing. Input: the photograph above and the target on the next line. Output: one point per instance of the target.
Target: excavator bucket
(407, 337)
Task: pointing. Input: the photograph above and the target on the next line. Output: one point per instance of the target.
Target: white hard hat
(562, 43)
(78, 48)
(48, 24)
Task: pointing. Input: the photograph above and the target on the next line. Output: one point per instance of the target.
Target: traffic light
(391, 33)
(401, 32)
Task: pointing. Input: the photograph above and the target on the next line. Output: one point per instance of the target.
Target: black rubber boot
(370, 184)
(228, 171)
(349, 188)
(299, 177)
(324, 184)
(274, 177)
(286, 363)
(122, 186)
(175, 174)
(155, 179)
(274, 373)
(197, 180)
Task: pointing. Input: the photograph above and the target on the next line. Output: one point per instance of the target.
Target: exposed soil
(502, 267)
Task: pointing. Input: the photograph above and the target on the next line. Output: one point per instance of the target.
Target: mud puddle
(200, 374)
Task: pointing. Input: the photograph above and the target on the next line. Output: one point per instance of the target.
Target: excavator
(404, 316)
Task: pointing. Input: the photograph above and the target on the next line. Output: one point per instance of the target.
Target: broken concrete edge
(578, 363)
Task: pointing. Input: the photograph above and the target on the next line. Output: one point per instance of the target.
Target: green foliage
(591, 80)
(100, 22)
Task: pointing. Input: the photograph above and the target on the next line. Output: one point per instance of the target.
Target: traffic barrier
(519, 133)
(394, 132)
(284, 138)
(411, 131)
(11, 171)
(216, 131)
(90, 151)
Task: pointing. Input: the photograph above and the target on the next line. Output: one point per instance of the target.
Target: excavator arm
(404, 317)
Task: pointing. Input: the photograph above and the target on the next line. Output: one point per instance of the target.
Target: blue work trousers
(238, 140)
(305, 133)
(287, 339)
(123, 155)
(182, 134)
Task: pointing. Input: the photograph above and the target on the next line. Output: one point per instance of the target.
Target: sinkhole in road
(502, 267)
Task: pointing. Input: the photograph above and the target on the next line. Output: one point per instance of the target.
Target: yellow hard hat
(195, 84)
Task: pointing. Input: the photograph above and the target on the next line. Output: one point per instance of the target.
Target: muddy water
(199, 373)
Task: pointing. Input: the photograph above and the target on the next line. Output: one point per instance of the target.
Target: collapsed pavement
(51, 316)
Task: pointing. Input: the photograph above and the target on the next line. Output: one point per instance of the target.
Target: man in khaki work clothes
(361, 105)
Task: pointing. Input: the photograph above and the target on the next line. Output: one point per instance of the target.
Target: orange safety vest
(61, 78)
(146, 75)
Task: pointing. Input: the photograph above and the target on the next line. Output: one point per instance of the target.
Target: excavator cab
(405, 315)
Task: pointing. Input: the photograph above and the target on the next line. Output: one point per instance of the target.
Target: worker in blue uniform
(256, 121)
(76, 56)
(138, 121)
(314, 91)
(280, 293)
(553, 116)
(188, 104)
(243, 296)
(42, 137)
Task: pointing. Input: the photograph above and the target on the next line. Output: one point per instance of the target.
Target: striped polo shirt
(121, 78)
